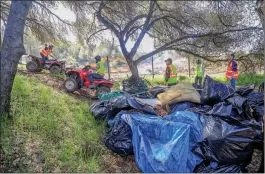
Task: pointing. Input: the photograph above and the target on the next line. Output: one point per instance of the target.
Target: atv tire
(102, 90)
(70, 84)
(32, 66)
(55, 69)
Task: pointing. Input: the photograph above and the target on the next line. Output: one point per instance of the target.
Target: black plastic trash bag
(119, 138)
(206, 167)
(181, 106)
(105, 110)
(245, 90)
(255, 98)
(99, 110)
(214, 92)
(226, 112)
(225, 143)
(256, 101)
(201, 109)
(258, 112)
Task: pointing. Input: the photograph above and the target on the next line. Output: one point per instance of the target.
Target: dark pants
(91, 77)
(44, 58)
(197, 78)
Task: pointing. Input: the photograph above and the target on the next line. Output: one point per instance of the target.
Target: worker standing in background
(171, 73)
(232, 72)
(199, 72)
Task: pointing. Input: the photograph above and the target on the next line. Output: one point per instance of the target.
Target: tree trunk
(12, 50)
(133, 67)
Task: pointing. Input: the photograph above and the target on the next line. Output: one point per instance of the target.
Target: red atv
(54, 66)
(77, 79)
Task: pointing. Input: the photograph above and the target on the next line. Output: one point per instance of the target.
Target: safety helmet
(98, 58)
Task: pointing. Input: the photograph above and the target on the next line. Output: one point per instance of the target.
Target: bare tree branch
(167, 46)
(88, 38)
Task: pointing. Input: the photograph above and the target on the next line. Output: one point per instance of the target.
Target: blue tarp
(165, 144)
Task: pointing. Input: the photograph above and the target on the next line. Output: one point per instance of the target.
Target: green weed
(61, 123)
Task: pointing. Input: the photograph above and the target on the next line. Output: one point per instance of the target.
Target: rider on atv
(46, 52)
(100, 71)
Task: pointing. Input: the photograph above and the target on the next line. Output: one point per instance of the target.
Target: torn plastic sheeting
(111, 95)
(181, 106)
(140, 106)
(119, 138)
(151, 102)
(214, 92)
(162, 145)
(157, 90)
(225, 143)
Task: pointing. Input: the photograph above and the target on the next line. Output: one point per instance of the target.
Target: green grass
(244, 79)
(63, 126)
(161, 81)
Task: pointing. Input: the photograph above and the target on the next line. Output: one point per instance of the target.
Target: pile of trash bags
(215, 133)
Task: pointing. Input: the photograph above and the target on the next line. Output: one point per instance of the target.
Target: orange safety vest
(229, 72)
(46, 52)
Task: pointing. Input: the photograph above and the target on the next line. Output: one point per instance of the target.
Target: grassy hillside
(50, 131)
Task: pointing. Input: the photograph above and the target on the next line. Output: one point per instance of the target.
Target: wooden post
(108, 67)
(153, 73)
(189, 65)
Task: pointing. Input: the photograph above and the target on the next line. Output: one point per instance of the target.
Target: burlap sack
(178, 93)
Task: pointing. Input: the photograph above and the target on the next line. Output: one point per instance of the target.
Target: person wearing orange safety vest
(232, 71)
(171, 73)
(44, 53)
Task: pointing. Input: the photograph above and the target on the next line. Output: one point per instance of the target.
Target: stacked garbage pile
(185, 129)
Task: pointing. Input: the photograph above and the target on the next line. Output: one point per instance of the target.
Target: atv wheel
(70, 84)
(32, 66)
(102, 90)
(55, 69)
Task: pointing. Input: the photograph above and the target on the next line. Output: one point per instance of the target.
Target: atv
(77, 79)
(36, 65)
